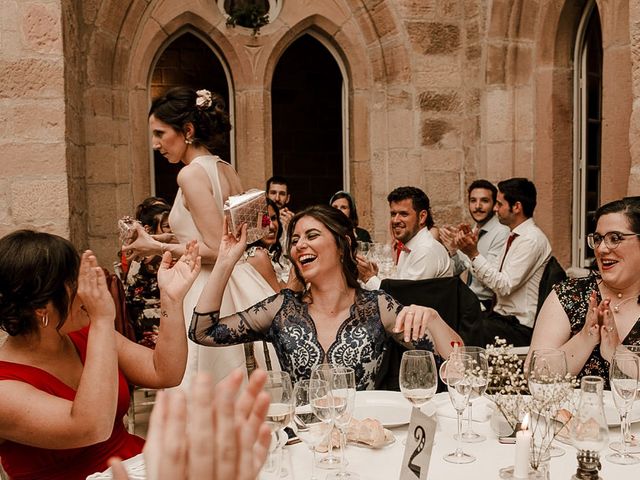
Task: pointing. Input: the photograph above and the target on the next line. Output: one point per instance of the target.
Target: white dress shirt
(516, 285)
(491, 240)
(427, 258)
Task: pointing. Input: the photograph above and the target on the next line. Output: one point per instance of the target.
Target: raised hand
(467, 242)
(448, 238)
(232, 244)
(93, 291)
(175, 281)
(366, 269)
(143, 246)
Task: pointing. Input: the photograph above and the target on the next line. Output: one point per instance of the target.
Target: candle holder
(588, 465)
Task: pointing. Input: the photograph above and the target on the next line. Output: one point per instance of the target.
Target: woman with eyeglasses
(589, 317)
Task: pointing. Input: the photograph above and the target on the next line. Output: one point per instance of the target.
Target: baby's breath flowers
(506, 370)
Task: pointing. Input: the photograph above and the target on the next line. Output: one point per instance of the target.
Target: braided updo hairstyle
(180, 106)
(35, 268)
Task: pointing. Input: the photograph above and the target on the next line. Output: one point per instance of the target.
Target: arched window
(587, 132)
(308, 122)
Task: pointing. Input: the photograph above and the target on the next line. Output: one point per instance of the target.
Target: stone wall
(33, 186)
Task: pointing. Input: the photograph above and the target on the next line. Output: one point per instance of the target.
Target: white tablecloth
(384, 464)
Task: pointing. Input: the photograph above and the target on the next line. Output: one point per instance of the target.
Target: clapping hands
(215, 434)
(93, 291)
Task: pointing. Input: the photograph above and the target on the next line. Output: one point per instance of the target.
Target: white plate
(611, 413)
(389, 408)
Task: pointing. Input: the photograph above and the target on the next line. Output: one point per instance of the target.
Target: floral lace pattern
(574, 298)
(284, 320)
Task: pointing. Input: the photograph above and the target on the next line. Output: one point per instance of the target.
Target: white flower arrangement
(204, 99)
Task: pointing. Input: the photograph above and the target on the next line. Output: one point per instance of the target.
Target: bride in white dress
(185, 127)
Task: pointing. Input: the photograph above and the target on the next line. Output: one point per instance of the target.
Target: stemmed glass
(479, 385)
(278, 386)
(549, 386)
(313, 414)
(418, 376)
(623, 377)
(324, 371)
(457, 374)
(617, 446)
(343, 390)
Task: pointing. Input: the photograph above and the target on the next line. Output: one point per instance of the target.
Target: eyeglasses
(611, 239)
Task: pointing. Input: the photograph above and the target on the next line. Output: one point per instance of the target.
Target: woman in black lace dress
(333, 320)
(589, 317)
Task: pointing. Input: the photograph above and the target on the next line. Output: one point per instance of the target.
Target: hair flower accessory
(203, 100)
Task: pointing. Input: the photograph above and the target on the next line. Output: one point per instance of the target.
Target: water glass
(418, 377)
(457, 374)
(324, 371)
(479, 385)
(343, 390)
(624, 372)
(278, 386)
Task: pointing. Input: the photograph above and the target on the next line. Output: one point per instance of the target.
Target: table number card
(417, 453)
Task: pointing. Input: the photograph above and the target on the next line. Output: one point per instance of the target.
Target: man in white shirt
(419, 256)
(515, 281)
(491, 235)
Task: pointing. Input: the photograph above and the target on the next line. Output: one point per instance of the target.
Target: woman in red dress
(65, 369)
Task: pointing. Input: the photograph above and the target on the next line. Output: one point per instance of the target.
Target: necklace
(616, 307)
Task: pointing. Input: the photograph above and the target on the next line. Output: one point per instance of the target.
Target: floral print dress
(143, 300)
(284, 320)
(574, 297)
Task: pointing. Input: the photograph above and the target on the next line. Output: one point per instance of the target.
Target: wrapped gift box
(249, 207)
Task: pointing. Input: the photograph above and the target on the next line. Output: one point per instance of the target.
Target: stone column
(33, 184)
(634, 128)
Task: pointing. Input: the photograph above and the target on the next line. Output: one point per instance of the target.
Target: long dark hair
(35, 268)
(276, 248)
(353, 212)
(341, 229)
(177, 107)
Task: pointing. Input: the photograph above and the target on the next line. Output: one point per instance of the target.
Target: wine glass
(479, 385)
(549, 387)
(623, 377)
(343, 390)
(418, 376)
(457, 374)
(278, 386)
(312, 414)
(324, 371)
(634, 349)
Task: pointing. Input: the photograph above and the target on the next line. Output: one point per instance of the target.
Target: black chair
(553, 273)
(450, 297)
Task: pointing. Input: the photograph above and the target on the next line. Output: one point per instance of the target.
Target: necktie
(401, 247)
(509, 242)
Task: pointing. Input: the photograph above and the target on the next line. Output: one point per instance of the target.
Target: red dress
(26, 462)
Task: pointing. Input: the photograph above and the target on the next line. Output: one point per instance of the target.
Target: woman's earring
(45, 319)
(188, 141)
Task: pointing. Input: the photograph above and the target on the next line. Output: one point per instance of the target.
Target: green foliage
(249, 15)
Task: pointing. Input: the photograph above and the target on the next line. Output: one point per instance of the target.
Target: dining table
(394, 411)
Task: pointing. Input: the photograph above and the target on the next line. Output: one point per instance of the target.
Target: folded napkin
(481, 409)
(368, 432)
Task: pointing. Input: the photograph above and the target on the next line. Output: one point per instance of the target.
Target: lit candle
(523, 447)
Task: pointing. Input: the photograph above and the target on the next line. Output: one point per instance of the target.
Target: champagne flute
(278, 386)
(457, 374)
(623, 377)
(311, 399)
(418, 376)
(549, 386)
(479, 385)
(343, 390)
(324, 371)
(634, 349)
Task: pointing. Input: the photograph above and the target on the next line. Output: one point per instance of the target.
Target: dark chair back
(450, 297)
(553, 273)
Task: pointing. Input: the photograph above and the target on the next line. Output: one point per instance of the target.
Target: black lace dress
(574, 297)
(284, 320)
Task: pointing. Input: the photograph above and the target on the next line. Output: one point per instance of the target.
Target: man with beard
(278, 191)
(515, 281)
(491, 235)
(418, 255)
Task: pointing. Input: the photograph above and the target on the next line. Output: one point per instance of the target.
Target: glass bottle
(589, 430)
